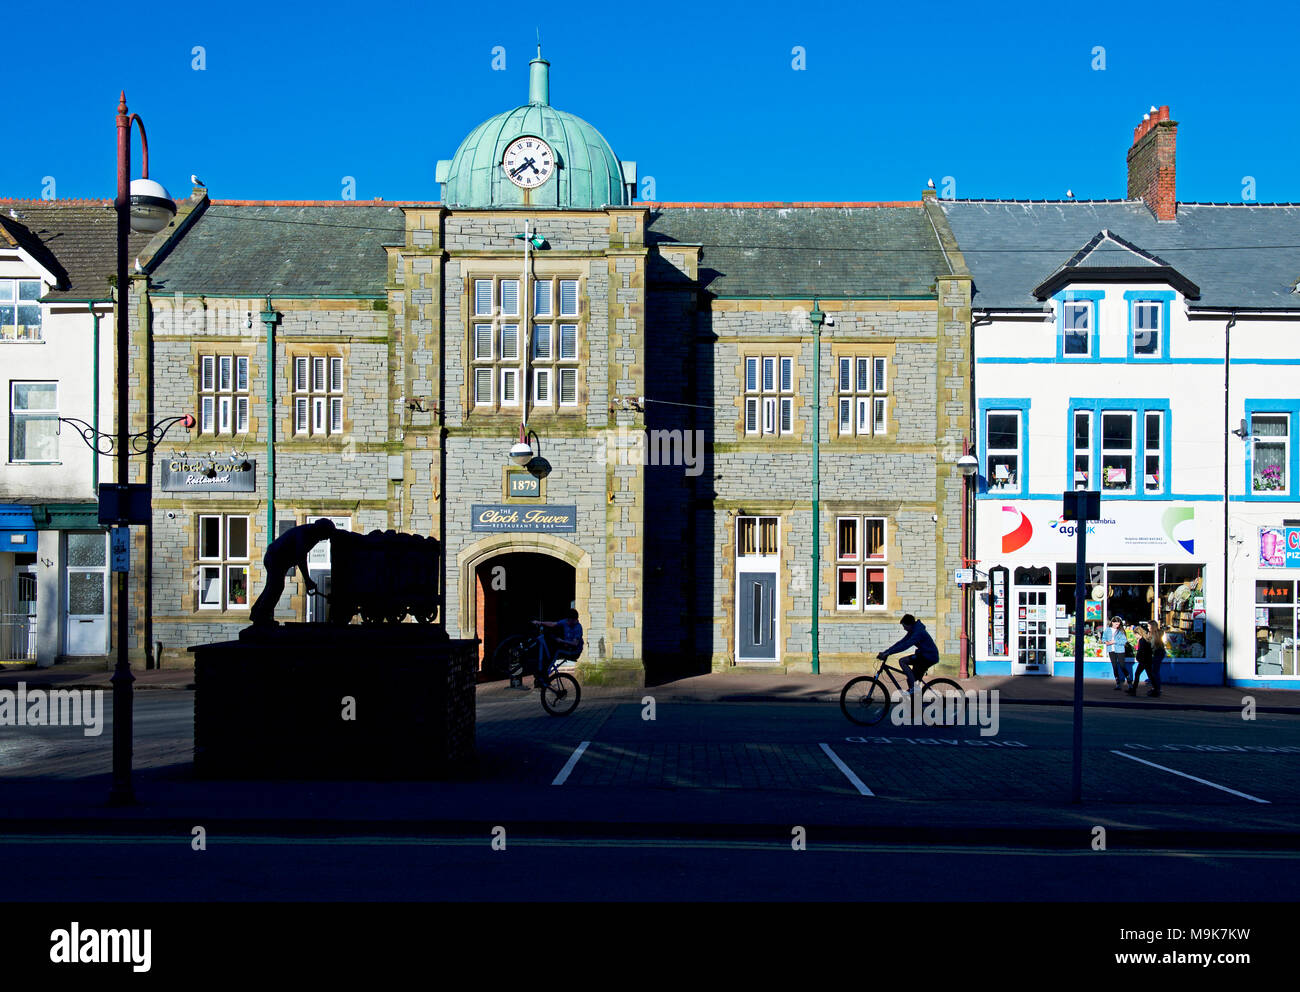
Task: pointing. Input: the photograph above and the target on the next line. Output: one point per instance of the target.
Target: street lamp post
(817, 318)
(968, 464)
(146, 207)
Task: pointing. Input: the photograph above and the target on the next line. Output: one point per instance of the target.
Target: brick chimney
(1151, 163)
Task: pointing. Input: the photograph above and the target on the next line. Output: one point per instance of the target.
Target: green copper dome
(587, 173)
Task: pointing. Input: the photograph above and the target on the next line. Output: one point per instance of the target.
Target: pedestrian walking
(1147, 661)
(1114, 640)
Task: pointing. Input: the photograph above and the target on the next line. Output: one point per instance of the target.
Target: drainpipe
(817, 317)
(1227, 369)
(94, 409)
(270, 318)
(965, 562)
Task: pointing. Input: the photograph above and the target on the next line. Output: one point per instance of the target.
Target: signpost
(1080, 506)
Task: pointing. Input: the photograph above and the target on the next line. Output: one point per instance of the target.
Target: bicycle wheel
(560, 695)
(507, 659)
(864, 700)
(936, 689)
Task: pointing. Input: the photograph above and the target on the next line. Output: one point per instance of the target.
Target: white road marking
(848, 772)
(1174, 771)
(568, 765)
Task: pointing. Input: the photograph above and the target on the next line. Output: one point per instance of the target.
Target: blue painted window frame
(1004, 405)
(1139, 407)
(1093, 296)
(1161, 296)
(1291, 409)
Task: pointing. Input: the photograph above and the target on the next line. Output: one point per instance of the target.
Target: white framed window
(1147, 317)
(318, 395)
(509, 291)
(1002, 434)
(224, 399)
(1082, 450)
(861, 556)
(769, 395)
(1117, 451)
(1153, 476)
(862, 394)
(503, 372)
(222, 562)
(20, 310)
(758, 537)
(33, 421)
(483, 297)
(1270, 452)
(1076, 328)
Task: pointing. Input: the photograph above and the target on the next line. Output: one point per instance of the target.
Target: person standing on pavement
(1156, 635)
(1115, 640)
(1146, 662)
(926, 654)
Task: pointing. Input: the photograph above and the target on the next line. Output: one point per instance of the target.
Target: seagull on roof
(929, 184)
(197, 181)
(1069, 194)
(138, 267)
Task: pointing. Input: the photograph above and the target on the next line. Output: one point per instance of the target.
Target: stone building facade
(659, 360)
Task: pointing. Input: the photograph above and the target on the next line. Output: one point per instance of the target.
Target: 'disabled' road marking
(568, 765)
(848, 772)
(1213, 785)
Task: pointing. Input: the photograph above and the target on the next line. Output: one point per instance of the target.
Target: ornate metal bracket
(141, 443)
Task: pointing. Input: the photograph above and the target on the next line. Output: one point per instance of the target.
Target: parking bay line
(1213, 785)
(561, 778)
(848, 772)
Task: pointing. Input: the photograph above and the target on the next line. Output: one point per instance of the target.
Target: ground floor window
(1275, 627)
(1172, 595)
(223, 562)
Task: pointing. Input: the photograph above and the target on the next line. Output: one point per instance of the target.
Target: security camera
(830, 321)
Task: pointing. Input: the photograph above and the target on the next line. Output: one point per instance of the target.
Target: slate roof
(254, 249)
(788, 250)
(1240, 255)
(76, 240)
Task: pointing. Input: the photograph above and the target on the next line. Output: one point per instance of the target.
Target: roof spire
(539, 78)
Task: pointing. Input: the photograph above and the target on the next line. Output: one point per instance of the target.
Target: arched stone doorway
(505, 583)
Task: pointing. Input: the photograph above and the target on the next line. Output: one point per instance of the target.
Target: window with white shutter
(862, 395)
(223, 394)
(318, 395)
(769, 395)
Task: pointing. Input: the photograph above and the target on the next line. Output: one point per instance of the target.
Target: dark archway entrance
(512, 589)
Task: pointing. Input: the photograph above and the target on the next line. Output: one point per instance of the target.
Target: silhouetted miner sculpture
(287, 551)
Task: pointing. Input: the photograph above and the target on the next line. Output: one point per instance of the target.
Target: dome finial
(539, 79)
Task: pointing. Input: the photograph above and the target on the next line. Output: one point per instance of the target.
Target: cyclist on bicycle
(566, 641)
(925, 656)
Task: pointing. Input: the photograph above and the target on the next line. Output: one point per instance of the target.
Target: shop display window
(1172, 595)
(1275, 627)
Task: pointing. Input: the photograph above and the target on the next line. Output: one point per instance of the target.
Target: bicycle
(865, 700)
(560, 690)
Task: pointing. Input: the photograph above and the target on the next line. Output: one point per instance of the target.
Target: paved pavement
(751, 686)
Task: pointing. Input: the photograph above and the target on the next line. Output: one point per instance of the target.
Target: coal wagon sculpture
(385, 576)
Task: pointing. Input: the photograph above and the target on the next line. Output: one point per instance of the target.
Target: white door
(1033, 633)
(87, 601)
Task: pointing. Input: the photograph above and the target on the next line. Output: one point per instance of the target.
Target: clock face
(528, 162)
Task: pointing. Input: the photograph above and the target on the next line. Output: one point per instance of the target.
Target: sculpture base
(392, 701)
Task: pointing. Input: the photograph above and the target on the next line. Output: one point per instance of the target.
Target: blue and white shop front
(1147, 560)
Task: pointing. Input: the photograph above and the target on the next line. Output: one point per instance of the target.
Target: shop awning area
(17, 528)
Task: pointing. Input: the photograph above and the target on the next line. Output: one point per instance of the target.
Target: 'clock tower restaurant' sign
(508, 517)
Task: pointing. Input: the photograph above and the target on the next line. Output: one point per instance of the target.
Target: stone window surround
(316, 351)
(861, 563)
(871, 351)
(216, 392)
(222, 562)
(543, 270)
(894, 572)
(777, 350)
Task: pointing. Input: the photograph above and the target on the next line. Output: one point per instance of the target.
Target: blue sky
(703, 96)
